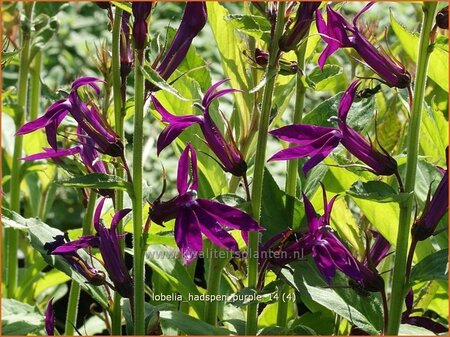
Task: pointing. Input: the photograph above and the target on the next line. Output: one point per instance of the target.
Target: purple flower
(327, 250)
(297, 31)
(435, 209)
(87, 116)
(227, 152)
(91, 274)
(317, 142)
(420, 321)
(141, 11)
(442, 18)
(193, 21)
(50, 319)
(338, 33)
(107, 241)
(126, 54)
(195, 216)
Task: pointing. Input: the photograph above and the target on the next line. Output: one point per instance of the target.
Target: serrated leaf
(153, 77)
(20, 319)
(98, 181)
(376, 191)
(438, 64)
(432, 267)
(252, 25)
(325, 79)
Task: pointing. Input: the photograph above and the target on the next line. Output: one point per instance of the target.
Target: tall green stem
(12, 236)
(138, 246)
(292, 169)
(216, 263)
(401, 250)
(118, 125)
(35, 86)
(260, 159)
(74, 294)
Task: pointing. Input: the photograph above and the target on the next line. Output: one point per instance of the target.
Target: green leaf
(252, 25)
(433, 135)
(150, 314)
(123, 5)
(432, 267)
(153, 77)
(325, 79)
(230, 46)
(278, 210)
(376, 191)
(362, 311)
(163, 261)
(190, 325)
(98, 181)
(412, 330)
(39, 234)
(20, 319)
(438, 64)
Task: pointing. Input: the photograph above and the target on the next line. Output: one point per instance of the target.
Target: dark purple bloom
(195, 216)
(298, 29)
(339, 33)
(193, 21)
(318, 142)
(227, 152)
(435, 209)
(420, 321)
(442, 18)
(89, 119)
(141, 11)
(50, 319)
(91, 274)
(126, 54)
(107, 241)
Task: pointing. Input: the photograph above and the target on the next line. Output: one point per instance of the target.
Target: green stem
(74, 294)
(118, 124)
(184, 306)
(138, 261)
(216, 263)
(12, 236)
(35, 85)
(260, 159)
(292, 169)
(398, 280)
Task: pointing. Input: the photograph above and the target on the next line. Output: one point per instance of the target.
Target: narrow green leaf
(190, 325)
(99, 181)
(376, 191)
(432, 267)
(152, 76)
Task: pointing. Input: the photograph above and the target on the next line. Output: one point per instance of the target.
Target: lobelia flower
(89, 157)
(442, 18)
(107, 241)
(317, 142)
(194, 216)
(192, 22)
(141, 10)
(420, 321)
(298, 29)
(338, 33)
(126, 54)
(435, 209)
(50, 319)
(91, 274)
(87, 116)
(227, 152)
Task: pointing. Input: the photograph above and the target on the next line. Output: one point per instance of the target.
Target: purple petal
(213, 231)
(324, 262)
(187, 234)
(50, 319)
(301, 133)
(311, 215)
(98, 213)
(362, 11)
(119, 216)
(51, 153)
(217, 95)
(207, 98)
(229, 216)
(347, 99)
(379, 249)
(73, 246)
(187, 156)
(168, 135)
(82, 81)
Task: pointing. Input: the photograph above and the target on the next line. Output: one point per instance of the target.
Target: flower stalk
(292, 168)
(398, 281)
(12, 236)
(260, 159)
(138, 245)
(116, 318)
(74, 294)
